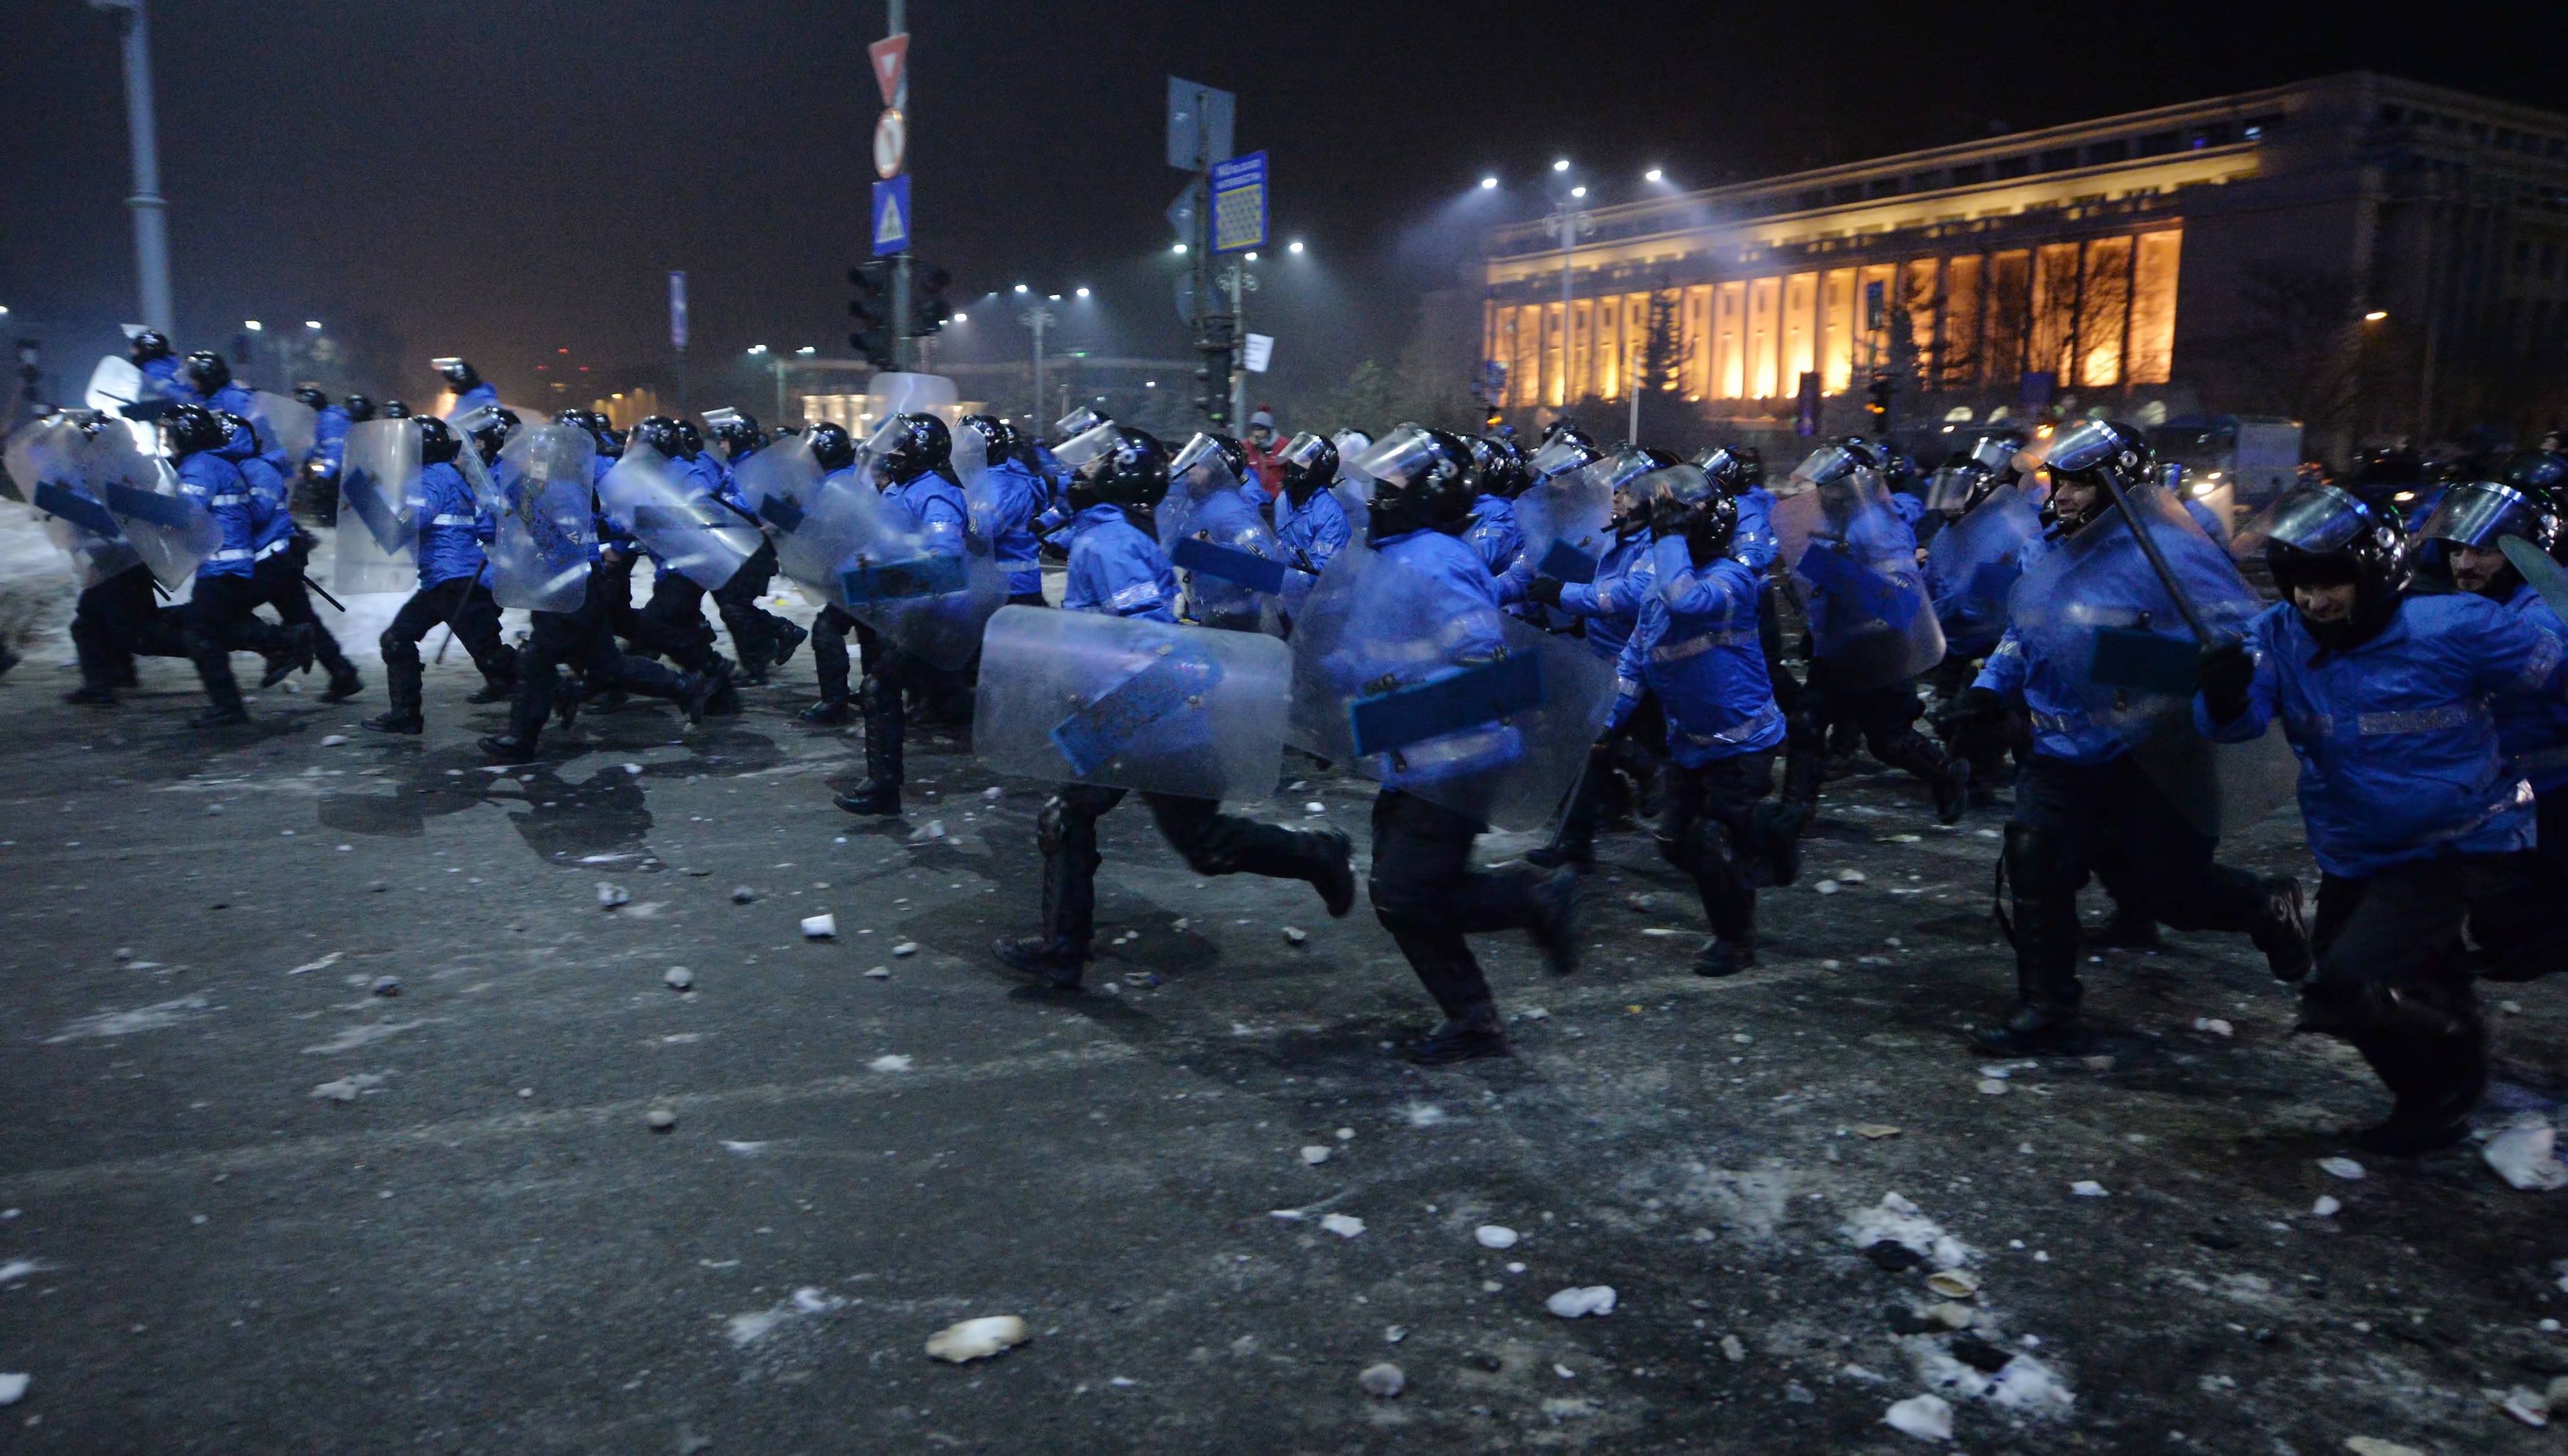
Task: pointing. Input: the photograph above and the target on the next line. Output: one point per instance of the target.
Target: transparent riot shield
(1131, 703)
(779, 483)
(2094, 607)
(1232, 568)
(378, 547)
(671, 512)
(971, 465)
(1472, 711)
(46, 461)
(894, 579)
(285, 424)
(172, 532)
(1568, 522)
(1976, 561)
(539, 559)
(118, 383)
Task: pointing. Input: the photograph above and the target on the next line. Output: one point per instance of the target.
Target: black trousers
(829, 632)
(582, 641)
(280, 585)
(1212, 842)
(2394, 972)
(2070, 819)
(1632, 747)
(1706, 830)
(1426, 893)
(755, 632)
(119, 619)
(672, 623)
(467, 607)
(220, 619)
(889, 675)
(1885, 717)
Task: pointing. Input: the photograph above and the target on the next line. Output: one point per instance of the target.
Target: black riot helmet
(912, 444)
(690, 443)
(736, 433)
(1735, 469)
(998, 433)
(1130, 469)
(1686, 499)
(1565, 426)
(358, 408)
(1958, 485)
(2481, 514)
(458, 373)
(1310, 464)
(207, 372)
(311, 396)
(1423, 480)
(2540, 469)
(192, 427)
(491, 430)
(2095, 453)
(1997, 452)
(1561, 453)
(832, 444)
(149, 345)
(661, 433)
(395, 410)
(2324, 535)
(438, 442)
(1504, 471)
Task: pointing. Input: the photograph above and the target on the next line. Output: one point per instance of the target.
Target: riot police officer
(220, 613)
(471, 390)
(915, 461)
(1116, 568)
(454, 533)
(1310, 524)
(281, 550)
(763, 640)
(1015, 497)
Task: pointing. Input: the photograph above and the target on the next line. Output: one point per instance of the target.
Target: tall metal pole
(150, 219)
(903, 351)
(778, 418)
(1037, 318)
(1239, 331)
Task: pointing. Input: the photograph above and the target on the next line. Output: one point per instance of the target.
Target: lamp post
(1568, 221)
(150, 219)
(1037, 318)
(1240, 282)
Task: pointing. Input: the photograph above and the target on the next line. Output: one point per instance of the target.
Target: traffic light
(933, 310)
(871, 310)
(1212, 386)
(1877, 402)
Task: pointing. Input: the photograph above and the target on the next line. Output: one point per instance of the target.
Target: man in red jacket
(1265, 448)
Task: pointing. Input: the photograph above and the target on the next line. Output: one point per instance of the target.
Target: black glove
(1669, 516)
(1546, 589)
(2224, 671)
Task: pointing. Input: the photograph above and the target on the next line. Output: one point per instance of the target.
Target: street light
(808, 349)
(1179, 249)
(1562, 165)
(2376, 316)
(756, 348)
(1295, 246)
(1654, 174)
(1084, 292)
(1578, 191)
(1569, 222)
(313, 324)
(1021, 288)
(252, 325)
(1488, 184)
(962, 317)
(1252, 257)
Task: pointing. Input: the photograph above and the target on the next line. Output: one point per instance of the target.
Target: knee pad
(397, 650)
(874, 696)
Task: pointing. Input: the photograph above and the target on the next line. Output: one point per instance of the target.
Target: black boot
(510, 748)
(1327, 859)
(1039, 957)
(2046, 949)
(1775, 842)
(97, 693)
(344, 684)
(870, 796)
(294, 657)
(404, 684)
(879, 793)
(788, 638)
(2280, 931)
(1559, 923)
(1473, 1035)
(1720, 958)
(833, 712)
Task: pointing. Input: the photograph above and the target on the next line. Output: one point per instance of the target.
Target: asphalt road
(486, 1246)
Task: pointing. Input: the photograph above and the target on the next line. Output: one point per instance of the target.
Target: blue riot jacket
(1226, 519)
(1697, 647)
(1755, 542)
(2397, 741)
(1612, 601)
(267, 486)
(1458, 618)
(217, 484)
(937, 503)
(2532, 729)
(168, 376)
(1315, 530)
(1018, 496)
(480, 396)
(231, 399)
(454, 528)
(1116, 568)
(1495, 534)
(330, 427)
(1875, 539)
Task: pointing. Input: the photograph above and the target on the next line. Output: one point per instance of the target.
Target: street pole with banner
(890, 58)
(678, 331)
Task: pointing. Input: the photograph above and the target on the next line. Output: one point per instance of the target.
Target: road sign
(1256, 352)
(1199, 120)
(1186, 213)
(678, 310)
(890, 57)
(891, 216)
(891, 144)
(1239, 204)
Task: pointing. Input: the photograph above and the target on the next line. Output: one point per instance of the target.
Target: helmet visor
(2480, 513)
(1076, 422)
(1400, 456)
(1558, 456)
(1302, 452)
(2315, 518)
(1085, 446)
(1948, 489)
(1996, 451)
(2083, 447)
(1687, 483)
(1825, 466)
(1199, 467)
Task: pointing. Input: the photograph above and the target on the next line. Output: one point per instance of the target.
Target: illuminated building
(2117, 260)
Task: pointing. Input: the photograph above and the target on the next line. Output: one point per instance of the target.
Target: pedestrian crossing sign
(891, 216)
(1239, 204)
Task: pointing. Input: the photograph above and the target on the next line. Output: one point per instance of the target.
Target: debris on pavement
(819, 927)
(2346, 1168)
(1927, 1417)
(1577, 1302)
(1345, 1225)
(679, 978)
(1494, 1235)
(2526, 1155)
(1384, 1381)
(611, 895)
(742, 895)
(1313, 1154)
(386, 986)
(893, 1063)
(660, 1120)
(974, 1340)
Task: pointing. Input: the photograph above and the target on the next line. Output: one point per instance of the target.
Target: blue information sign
(1239, 204)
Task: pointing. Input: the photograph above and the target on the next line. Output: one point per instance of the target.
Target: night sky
(508, 180)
